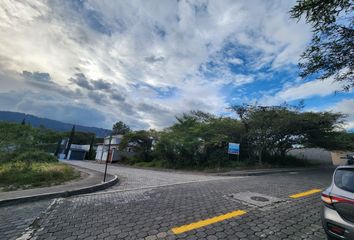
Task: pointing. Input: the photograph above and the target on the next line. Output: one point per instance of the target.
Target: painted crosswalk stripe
(202, 223)
(304, 194)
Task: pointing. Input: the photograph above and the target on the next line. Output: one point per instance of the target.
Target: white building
(102, 149)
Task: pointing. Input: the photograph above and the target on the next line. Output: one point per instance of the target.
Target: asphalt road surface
(179, 206)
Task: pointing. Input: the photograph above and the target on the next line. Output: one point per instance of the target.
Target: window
(344, 179)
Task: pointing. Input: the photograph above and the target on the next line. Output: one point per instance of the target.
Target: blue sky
(144, 62)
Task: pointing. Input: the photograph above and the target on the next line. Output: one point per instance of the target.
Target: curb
(63, 194)
(259, 173)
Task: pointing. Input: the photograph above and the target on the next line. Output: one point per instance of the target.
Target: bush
(153, 164)
(21, 174)
(286, 161)
(35, 156)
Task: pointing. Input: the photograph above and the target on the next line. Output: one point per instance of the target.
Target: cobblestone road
(151, 213)
(134, 178)
(15, 219)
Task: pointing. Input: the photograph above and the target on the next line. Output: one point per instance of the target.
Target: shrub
(153, 164)
(21, 174)
(35, 156)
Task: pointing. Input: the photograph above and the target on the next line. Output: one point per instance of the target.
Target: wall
(320, 156)
(312, 155)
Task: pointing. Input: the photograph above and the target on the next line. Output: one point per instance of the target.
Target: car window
(344, 179)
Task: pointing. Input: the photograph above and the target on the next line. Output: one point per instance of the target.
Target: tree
(142, 142)
(320, 128)
(16, 137)
(331, 52)
(272, 130)
(19, 138)
(71, 137)
(197, 139)
(120, 128)
(90, 154)
(81, 138)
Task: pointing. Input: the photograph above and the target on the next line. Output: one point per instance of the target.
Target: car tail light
(328, 199)
(335, 229)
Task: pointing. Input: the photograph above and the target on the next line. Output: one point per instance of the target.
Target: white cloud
(347, 107)
(159, 43)
(303, 91)
(235, 61)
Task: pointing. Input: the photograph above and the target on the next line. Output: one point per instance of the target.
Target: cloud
(101, 84)
(37, 76)
(153, 59)
(80, 80)
(143, 62)
(346, 106)
(303, 91)
(235, 61)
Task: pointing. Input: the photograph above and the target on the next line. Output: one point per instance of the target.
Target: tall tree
(331, 52)
(72, 134)
(120, 128)
(90, 156)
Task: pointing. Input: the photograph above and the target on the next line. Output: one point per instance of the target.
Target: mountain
(49, 123)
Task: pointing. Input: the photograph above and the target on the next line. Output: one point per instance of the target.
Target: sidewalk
(89, 181)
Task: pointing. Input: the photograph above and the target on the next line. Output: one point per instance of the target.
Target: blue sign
(234, 148)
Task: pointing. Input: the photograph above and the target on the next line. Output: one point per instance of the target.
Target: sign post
(109, 149)
(234, 149)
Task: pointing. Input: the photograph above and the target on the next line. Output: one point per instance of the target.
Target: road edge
(61, 194)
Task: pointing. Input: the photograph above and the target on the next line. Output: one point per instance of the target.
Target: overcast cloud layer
(143, 62)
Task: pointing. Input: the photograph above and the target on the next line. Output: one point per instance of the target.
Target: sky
(144, 62)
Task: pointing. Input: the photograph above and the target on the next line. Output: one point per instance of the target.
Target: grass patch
(152, 164)
(25, 174)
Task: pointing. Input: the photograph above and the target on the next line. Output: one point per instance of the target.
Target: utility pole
(109, 149)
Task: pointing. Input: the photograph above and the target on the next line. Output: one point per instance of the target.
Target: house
(102, 149)
(78, 152)
(115, 154)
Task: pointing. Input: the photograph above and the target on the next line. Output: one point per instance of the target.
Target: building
(115, 154)
(78, 152)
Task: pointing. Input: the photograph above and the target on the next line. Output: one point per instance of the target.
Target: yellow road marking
(303, 194)
(202, 223)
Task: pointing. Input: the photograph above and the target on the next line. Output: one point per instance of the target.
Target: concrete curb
(259, 173)
(90, 189)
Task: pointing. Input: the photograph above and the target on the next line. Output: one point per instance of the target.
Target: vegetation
(70, 140)
(330, 53)
(199, 140)
(24, 158)
(120, 128)
(33, 169)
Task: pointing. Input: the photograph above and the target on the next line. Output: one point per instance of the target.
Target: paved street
(135, 178)
(204, 207)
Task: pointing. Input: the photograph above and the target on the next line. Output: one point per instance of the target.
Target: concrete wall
(320, 156)
(312, 155)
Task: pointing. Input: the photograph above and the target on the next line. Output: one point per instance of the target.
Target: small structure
(115, 154)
